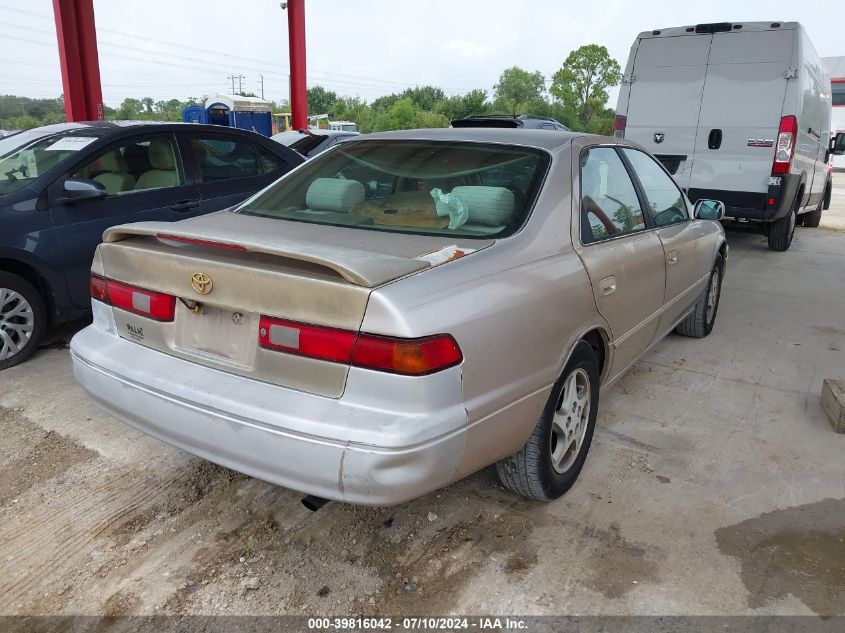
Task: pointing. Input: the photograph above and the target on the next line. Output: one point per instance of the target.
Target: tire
(551, 460)
(814, 218)
(699, 322)
(22, 320)
(781, 231)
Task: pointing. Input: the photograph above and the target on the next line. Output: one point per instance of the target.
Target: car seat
(115, 177)
(163, 172)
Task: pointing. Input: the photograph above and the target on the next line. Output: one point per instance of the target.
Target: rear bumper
(745, 205)
(260, 429)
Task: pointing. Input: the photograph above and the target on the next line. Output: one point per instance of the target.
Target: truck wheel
(22, 320)
(552, 458)
(699, 322)
(781, 231)
(813, 218)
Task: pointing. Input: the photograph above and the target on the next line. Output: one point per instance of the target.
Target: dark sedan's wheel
(700, 321)
(22, 319)
(551, 460)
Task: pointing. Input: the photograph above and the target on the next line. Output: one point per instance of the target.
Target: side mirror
(837, 146)
(76, 189)
(709, 210)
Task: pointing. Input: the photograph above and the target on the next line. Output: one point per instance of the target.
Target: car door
(623, 256)
(144, 179)
(230, 167)
(686, 243)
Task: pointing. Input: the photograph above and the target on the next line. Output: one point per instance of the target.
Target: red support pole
(298, 87)
(78, 55)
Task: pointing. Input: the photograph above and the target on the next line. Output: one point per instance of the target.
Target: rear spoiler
(362, 268)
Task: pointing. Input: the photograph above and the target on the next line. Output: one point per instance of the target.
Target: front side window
(221, 158)
(609, 203)
(28, 155)
(665, 200)
(838, 89)
(422, 187)
(140, 164)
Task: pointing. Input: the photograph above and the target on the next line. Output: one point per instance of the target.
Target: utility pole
(261, 81)
(240, 79)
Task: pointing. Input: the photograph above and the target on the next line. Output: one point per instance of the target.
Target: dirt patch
(618, 566)
(798, 551)
(41, 455)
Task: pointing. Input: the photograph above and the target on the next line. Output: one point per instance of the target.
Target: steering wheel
(590, 206)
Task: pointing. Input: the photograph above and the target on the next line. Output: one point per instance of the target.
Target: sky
(188, 48)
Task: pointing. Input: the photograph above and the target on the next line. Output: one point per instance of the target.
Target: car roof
(544, 139)
(112, 128)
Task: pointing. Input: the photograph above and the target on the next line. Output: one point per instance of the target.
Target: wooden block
(833, 403)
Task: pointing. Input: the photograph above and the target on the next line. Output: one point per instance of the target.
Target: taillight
(166, 237)
(147, 303)
(785, 149)
(410, 357)
(619, 124)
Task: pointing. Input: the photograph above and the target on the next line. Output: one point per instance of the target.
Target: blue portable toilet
(194, 114)
(246, 113)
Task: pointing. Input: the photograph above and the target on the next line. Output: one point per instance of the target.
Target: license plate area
(217, 333)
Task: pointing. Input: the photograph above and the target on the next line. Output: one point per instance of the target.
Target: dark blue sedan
(62, 185)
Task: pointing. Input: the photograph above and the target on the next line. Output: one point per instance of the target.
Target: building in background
(836, 68)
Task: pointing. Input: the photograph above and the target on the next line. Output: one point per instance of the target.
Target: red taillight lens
(148, 303)
(306, 340)
(99, 289)
(619, 124)
(410, 357)
(785, 148)
(166, 237)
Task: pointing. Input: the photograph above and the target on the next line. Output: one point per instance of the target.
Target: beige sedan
(403, 310)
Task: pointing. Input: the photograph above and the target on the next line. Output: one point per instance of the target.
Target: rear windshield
(307, 143)
(421, 187)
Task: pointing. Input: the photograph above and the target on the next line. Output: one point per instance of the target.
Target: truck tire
(813, 218)
(22, 320)
(699, 322)
(781, 231)
(551, 460)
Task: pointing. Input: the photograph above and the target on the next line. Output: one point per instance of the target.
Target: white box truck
(836, 68)
(737, 112)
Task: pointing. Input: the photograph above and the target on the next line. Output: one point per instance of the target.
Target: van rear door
(665, 98)
(740, 115)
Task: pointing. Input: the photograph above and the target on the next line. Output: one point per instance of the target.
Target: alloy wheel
(17, 323)
(569, 425)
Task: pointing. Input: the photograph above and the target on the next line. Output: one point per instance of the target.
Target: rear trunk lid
(227, 270)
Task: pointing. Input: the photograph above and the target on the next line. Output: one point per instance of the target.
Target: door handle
(185, 205)
(607, 286)
(714, 141)
(672, 258)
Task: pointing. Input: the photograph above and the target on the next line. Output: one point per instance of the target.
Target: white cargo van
(737, 112)
(836, 68)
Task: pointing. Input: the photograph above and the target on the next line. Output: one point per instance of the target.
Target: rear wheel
(22, 319)
(700, 321)
(781, 231)
(814, 218)
(551, 460)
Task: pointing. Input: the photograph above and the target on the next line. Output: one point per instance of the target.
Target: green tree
(517, 88)
(148, 105)
(320, 100)
(583, 80)
(424, 97)
(129, 109)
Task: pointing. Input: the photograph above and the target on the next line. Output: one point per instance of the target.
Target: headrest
(487, 205)
(161, 155)
(334, 194)
(112, 162)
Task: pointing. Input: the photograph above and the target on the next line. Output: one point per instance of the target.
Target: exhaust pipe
(314, 503)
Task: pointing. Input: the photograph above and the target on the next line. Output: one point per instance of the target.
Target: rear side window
(413, 186)
(269, 161)
(665, 200)
(609, 203)
(221, 158)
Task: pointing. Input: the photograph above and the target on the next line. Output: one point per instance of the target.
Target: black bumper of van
(760, 207)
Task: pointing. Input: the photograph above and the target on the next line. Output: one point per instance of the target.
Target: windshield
(27, 155)
(422, 187)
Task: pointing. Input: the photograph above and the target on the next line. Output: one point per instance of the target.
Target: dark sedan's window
(609, 203)
(665, 199)
(269, 161)
(308, 143)
(25, 159)
(140, 164)
(221, 158)
(422, 187)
